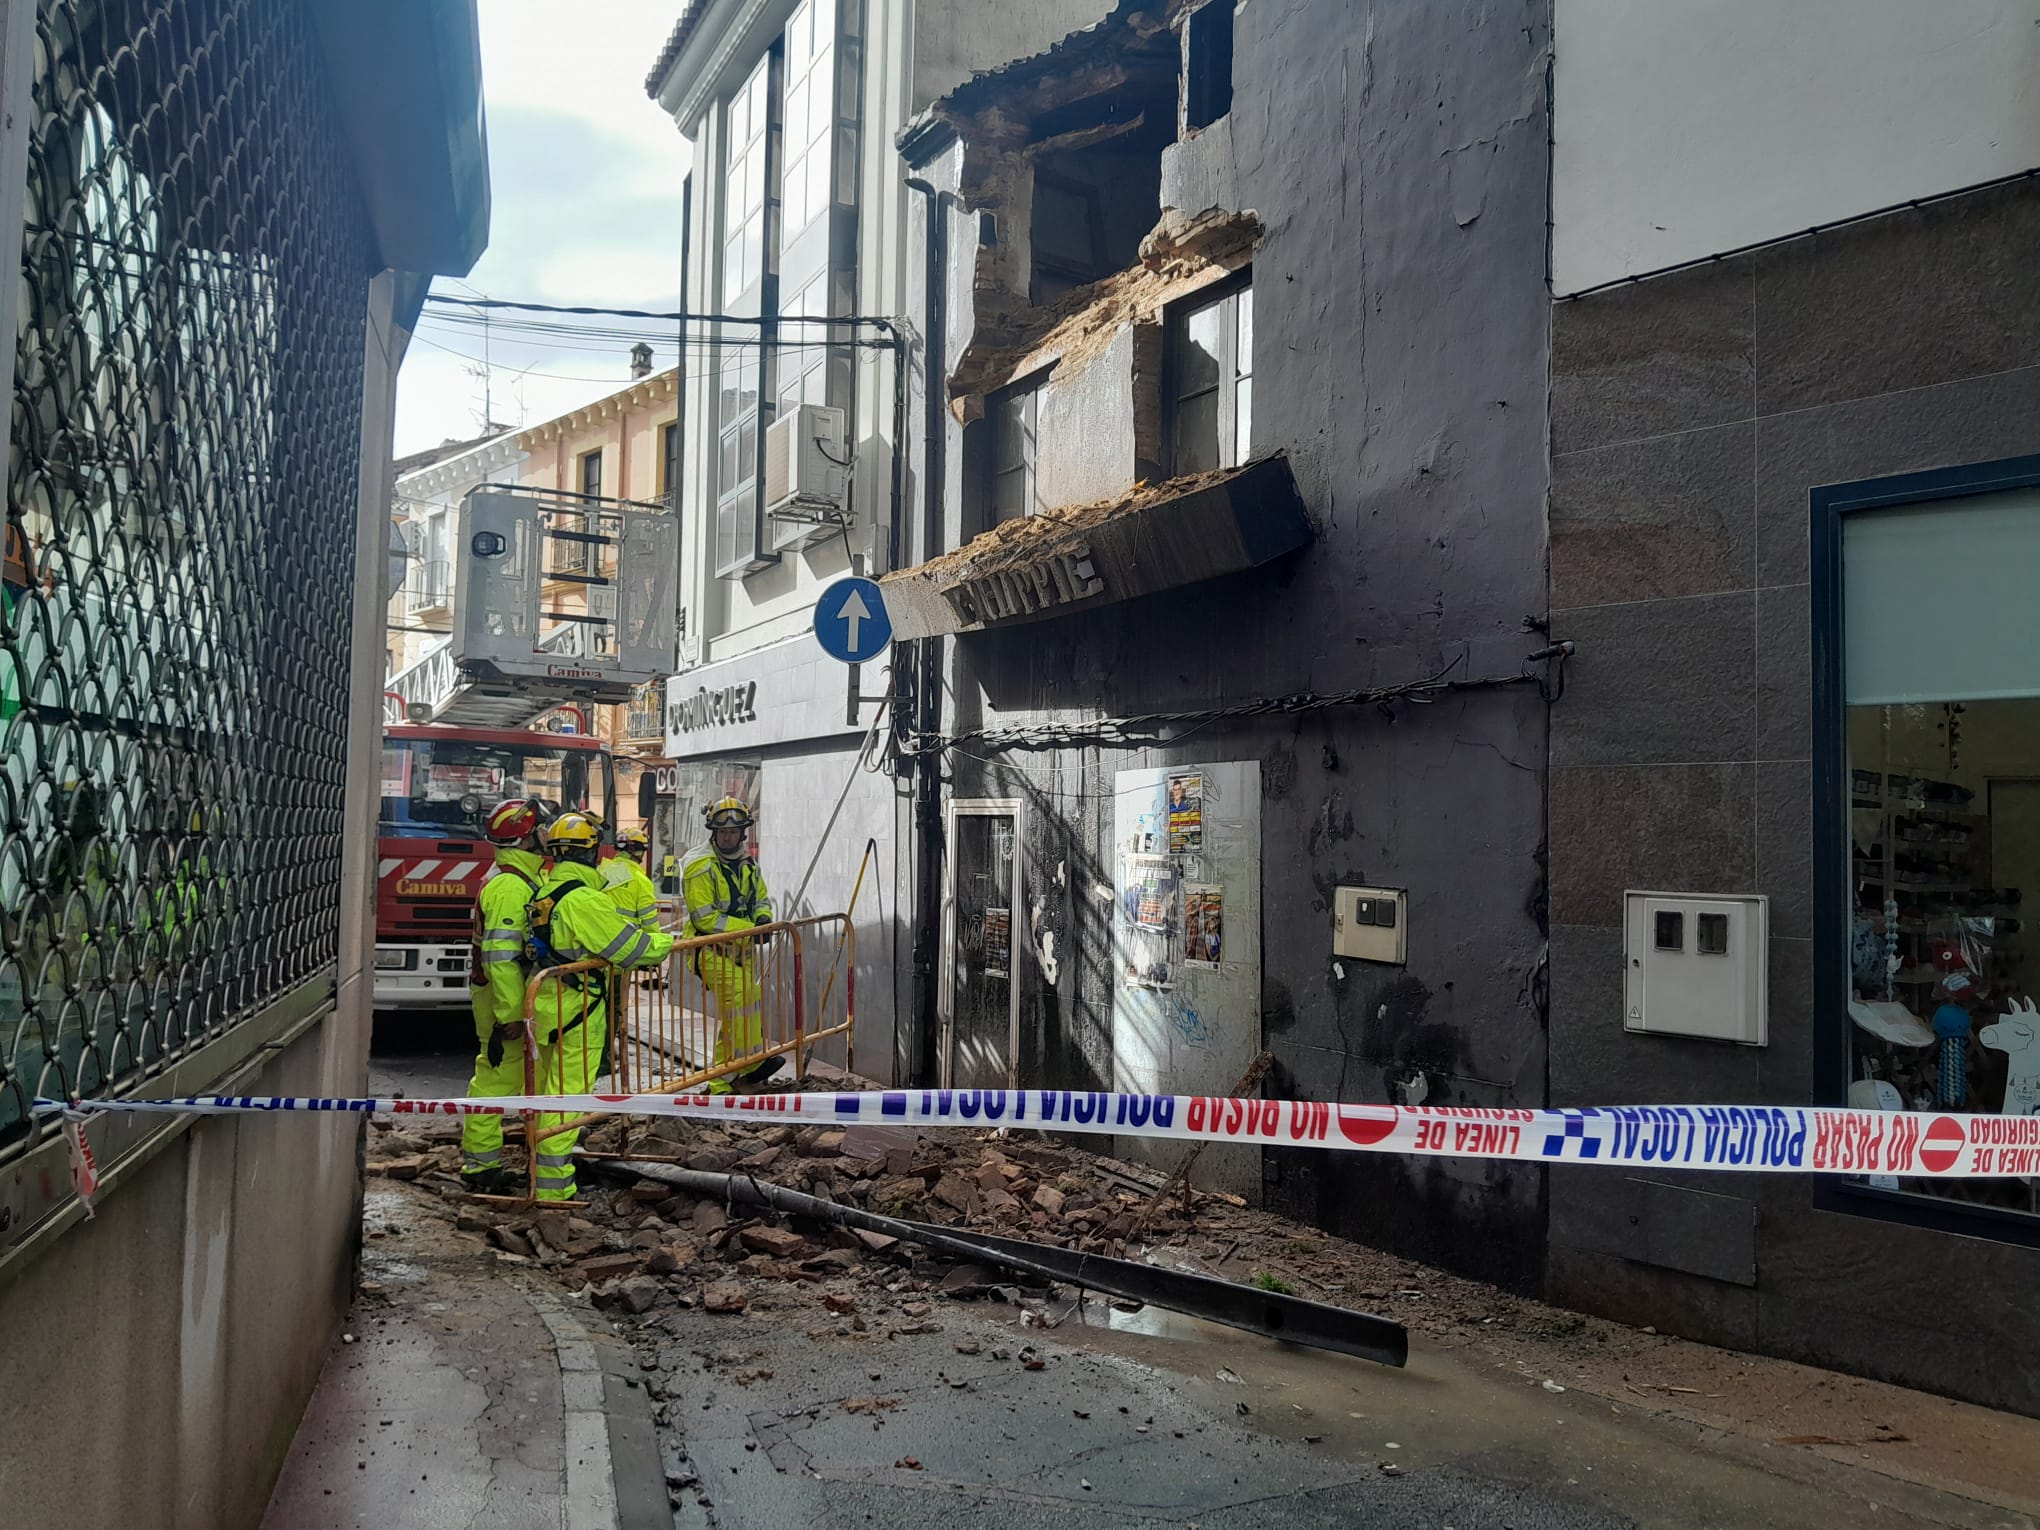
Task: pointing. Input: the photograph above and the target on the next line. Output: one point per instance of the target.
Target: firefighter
(725, 891)
(574, 920)
(496, 977)
(629, 888)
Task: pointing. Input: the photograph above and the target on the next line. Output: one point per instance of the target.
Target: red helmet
(514, 821)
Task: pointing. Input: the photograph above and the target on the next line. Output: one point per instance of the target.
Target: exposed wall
(1690, 417)
(1684, 130)
(1400, 357)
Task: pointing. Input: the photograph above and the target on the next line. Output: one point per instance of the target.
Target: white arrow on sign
(854, 613)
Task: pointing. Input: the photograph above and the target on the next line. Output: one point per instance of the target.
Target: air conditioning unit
(807, 475)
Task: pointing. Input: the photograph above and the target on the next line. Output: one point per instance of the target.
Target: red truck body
(438, 785)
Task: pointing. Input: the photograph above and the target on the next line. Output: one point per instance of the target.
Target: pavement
(459, 1394)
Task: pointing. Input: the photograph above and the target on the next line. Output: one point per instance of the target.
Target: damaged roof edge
(931, 129)
(1152, 538)
(924, 137)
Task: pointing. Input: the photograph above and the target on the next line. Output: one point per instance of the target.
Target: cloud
(585, 173)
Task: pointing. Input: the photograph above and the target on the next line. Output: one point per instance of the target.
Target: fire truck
(438, 785)
(561, 601)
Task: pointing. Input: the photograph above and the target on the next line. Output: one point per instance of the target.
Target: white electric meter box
(807, 475)
(568, 595)
(1696, 966)
(1370, 924)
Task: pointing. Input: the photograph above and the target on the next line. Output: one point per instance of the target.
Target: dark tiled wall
(1690, 416)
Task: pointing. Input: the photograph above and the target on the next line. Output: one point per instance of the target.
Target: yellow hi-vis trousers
(731, 977)
(567, 1065)
(481, 1137)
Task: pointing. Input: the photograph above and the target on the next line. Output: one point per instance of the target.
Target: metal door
(981, 946)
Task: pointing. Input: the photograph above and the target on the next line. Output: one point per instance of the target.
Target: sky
(585, 175)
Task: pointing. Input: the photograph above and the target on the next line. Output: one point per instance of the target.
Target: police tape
(1732, 1138)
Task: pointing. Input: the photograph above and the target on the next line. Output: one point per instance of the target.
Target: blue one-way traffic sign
(850, 620)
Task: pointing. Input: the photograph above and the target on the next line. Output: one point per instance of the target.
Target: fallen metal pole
(1292, 1319)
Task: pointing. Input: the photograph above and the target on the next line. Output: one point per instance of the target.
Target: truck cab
(438, 786)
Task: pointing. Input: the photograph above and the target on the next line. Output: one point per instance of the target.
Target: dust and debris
(1183, 252)
(1017, 544)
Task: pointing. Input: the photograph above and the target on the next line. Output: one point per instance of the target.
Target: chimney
(640, 360)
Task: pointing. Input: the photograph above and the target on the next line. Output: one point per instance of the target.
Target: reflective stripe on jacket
(631, 891)
(723, 895)
(502, 921)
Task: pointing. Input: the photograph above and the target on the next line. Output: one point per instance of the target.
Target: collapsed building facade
(1230, 548)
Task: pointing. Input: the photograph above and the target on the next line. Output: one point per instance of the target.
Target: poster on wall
(1186, 814)
(998, 942)
(1186, 928)
(1203, 924)
(1153, 892)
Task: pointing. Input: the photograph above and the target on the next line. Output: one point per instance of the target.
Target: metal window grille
(181, 504)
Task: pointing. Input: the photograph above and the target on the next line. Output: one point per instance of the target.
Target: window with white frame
(810, 120)
(1015, 416)
(747, 132)
(736, 510)
(1210, 381)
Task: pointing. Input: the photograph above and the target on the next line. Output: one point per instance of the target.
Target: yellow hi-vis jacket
(497, 973)
(724, 895)
(586, 926)
(631, 891)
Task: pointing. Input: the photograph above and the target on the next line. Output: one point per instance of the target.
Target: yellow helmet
(573, 831)
(728, 813)
(633, 841)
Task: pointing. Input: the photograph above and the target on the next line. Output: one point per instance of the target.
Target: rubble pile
(628, 1246)
(634, 1247)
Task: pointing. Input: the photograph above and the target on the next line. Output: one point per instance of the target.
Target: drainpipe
(928, 655)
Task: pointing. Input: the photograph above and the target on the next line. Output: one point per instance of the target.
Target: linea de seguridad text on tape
(1735, 1138)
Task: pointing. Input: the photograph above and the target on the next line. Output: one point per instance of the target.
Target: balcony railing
(645, 717)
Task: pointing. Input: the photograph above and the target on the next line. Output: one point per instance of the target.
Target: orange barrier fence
(752, 1002)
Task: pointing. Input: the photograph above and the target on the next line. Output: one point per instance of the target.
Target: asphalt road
(1092, 1440)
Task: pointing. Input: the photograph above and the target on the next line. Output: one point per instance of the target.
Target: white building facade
(797, 210)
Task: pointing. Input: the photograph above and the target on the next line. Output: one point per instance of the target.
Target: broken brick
(511, 1241)
(724, 1296)
(878, 1243)
(710, 1218)
(633, 1295)
(840, 1304)
(838, 1260)
(759, 1161)
(670, 1260)
(955, 1191)
(1049, 1199)
(601, 1267)
(780, 1242)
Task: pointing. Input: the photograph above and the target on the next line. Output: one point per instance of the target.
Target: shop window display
(1943, 756)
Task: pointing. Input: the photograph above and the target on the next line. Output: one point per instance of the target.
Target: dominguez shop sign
(725, 706)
